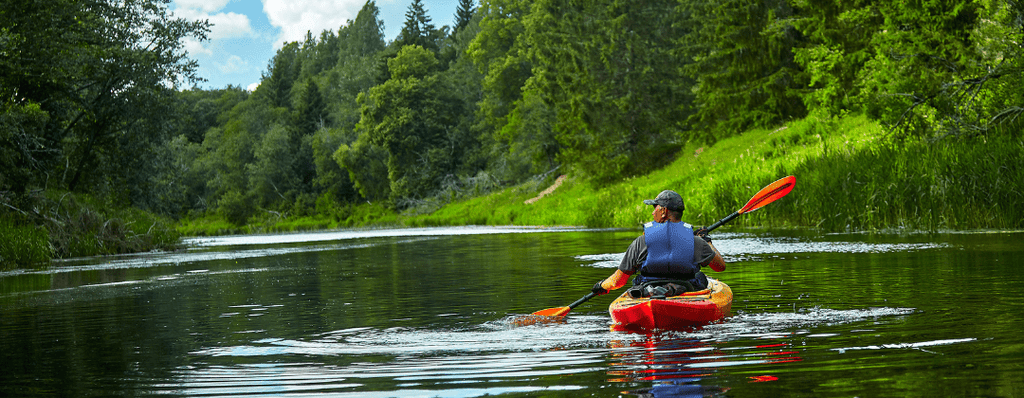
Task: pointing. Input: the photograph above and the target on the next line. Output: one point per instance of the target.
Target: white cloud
(253, 87)
(229, 25)
(194, 46)
(225, 25)
(206, 6)
(233, 64)
(296, 17)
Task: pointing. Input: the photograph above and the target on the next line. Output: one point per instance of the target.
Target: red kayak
(676, 312)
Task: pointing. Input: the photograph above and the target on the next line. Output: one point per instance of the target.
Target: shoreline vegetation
(892, 116)
(850, 178)
(882, 185)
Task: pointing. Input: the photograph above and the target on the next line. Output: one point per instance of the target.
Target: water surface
(431, 313)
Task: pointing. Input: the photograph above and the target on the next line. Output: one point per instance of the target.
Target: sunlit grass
(849, 177)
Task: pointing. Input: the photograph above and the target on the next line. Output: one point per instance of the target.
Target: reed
(63, 225)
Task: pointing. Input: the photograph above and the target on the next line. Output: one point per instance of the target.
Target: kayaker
(668, 256)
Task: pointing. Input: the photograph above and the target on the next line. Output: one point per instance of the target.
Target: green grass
(850, 176)
(64, 225)
(268, 222)
(713, 180)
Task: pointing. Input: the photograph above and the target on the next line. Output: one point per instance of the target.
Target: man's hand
(703, 234)
(598, 289)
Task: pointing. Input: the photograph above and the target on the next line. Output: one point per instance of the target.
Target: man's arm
(631, 260)
(717, 263)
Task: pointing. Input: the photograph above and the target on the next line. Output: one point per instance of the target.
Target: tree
(410, 116)
(463, 15)
(418, 29)
(282, 72)
(611, 80)
(743, 64)
(500, 52)
(367, 166)
(104, 78)
(839, 38)
(919, 83)
(310, 108)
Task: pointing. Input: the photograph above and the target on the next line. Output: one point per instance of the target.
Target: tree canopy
(604, 90)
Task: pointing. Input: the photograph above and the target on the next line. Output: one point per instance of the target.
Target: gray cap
(668, 199)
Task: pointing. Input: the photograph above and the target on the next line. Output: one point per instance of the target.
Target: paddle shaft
(582, 300)
(721, 222)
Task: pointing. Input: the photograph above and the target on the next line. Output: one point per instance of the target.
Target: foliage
(104, 77)
(611, 82)
(64, 225)
(418, 29)
(22, 243)
(410, 117)
(348, 129)
(743, 64)
(463, 15)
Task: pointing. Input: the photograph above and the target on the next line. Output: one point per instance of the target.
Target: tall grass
(22, 243)
(63, 225)
(924, 186)
(849, 177)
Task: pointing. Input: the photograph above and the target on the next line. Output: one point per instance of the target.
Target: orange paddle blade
(560, 311)
(769, 194)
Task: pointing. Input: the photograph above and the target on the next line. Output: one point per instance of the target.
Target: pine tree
(463, 14)
(418, 29)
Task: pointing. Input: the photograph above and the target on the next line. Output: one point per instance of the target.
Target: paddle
(766, 195)
(561, 311)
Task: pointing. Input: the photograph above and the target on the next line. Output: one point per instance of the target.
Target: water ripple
(744, 247)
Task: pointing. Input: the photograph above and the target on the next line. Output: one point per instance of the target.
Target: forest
(106, 143)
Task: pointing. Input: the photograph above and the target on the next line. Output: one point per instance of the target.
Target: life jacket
(669, 254)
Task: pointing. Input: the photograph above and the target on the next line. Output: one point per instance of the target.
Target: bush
(21, 244)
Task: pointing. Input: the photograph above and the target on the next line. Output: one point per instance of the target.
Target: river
(432, 313)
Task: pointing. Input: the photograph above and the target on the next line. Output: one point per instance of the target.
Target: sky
(247, 33)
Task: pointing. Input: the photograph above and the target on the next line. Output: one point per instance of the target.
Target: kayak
(677, 312)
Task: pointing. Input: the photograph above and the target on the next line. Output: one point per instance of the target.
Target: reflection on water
(426, 361)
(432, 313)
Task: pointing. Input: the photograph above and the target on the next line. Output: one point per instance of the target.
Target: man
(667, 258)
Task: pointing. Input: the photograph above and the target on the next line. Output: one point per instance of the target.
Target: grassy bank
(65, 225)
(713, 180)
(850, 176)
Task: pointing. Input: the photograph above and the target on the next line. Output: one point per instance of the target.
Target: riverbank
(54, 225)
(851, 176)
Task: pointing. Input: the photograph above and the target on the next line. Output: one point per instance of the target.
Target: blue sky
(247, 33)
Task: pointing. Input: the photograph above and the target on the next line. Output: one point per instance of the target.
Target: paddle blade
(769, 194)
(560, 311)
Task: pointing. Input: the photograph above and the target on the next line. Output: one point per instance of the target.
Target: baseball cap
(668, 199)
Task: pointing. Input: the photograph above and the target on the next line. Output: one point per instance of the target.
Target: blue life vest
(669, 254)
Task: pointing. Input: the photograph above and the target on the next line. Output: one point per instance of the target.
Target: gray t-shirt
(636, 255)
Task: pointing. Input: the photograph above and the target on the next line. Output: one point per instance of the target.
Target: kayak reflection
(686, 367)
(678, 365)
